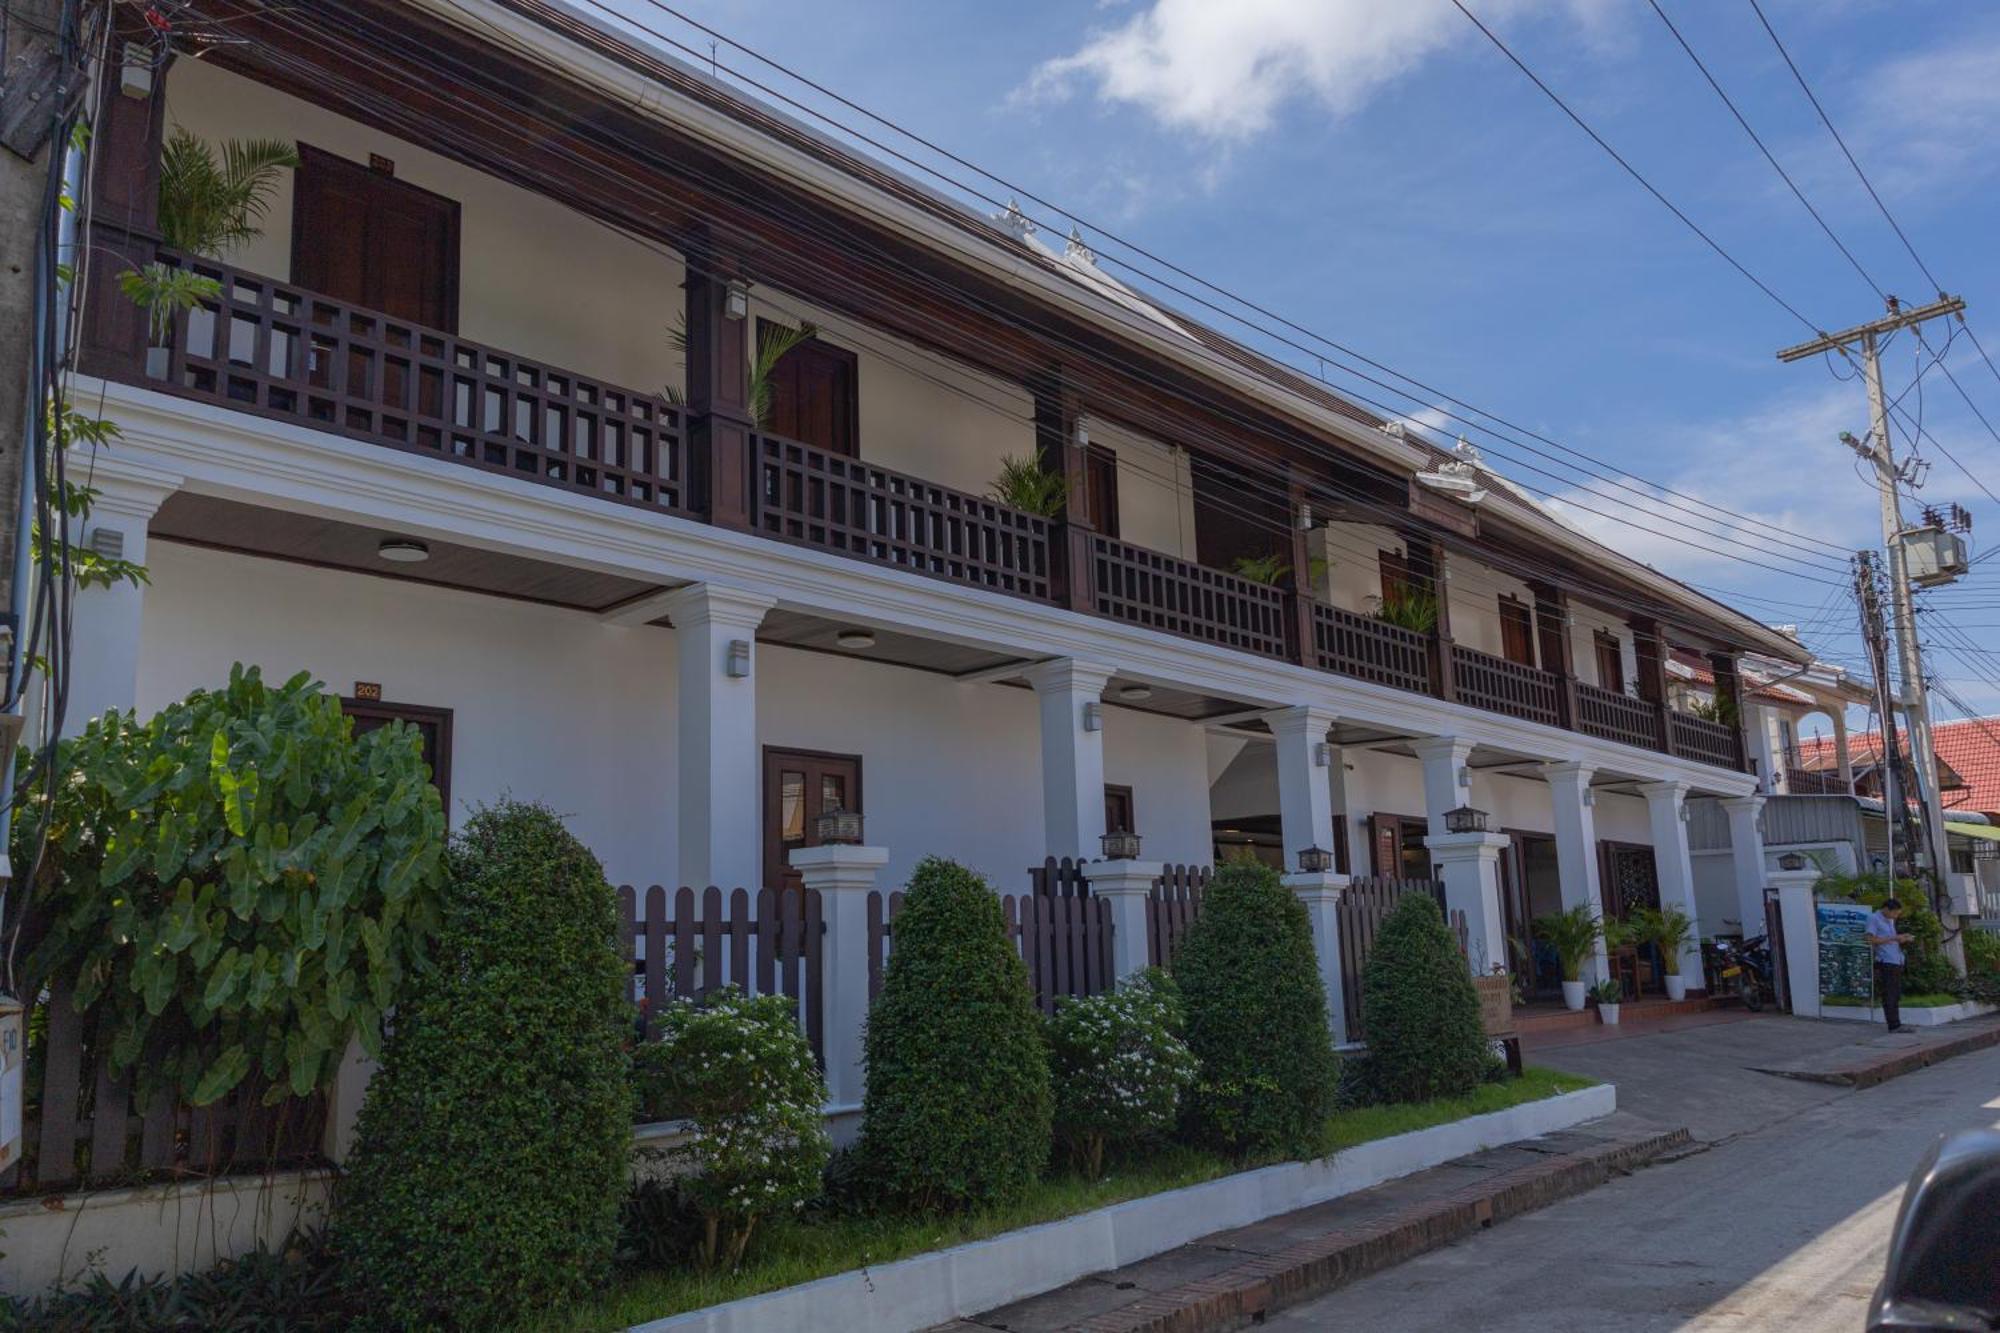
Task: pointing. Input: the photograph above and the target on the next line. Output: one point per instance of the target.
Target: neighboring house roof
(1967, 751)
(1690, 669)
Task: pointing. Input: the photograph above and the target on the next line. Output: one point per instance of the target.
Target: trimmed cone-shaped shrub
(491, 1152)
(957, 1111)
(1418, 1007)
(1256, 1019)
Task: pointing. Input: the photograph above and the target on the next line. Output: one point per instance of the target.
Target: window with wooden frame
(1119, 816)
(1517, 631)
(432, 725)
(815, 395)
(1100, 483)
(1610, 661)
(1398, 580)
(360, 235)
(799, 787)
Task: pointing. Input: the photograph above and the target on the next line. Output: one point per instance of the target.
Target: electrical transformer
(1933, 556)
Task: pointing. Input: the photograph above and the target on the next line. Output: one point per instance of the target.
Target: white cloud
(1929, 118)
(1222, 70)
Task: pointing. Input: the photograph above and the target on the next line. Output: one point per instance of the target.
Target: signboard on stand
(1846, 963)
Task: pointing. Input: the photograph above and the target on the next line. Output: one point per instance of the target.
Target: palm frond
(773, 341)
(1026, 485)
(1268, 570)
(208, 206)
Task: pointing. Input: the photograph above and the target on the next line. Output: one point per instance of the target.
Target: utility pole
(1897, 819)
(1879, 449)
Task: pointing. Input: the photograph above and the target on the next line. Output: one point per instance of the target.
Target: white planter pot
(1609, 1013)
(1573, 994)
(1677, 986)
(158, 361)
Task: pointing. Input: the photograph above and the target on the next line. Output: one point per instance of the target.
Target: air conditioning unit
(1933, 556)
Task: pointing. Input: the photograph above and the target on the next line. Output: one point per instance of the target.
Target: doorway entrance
(799, 787)
(1530, 887)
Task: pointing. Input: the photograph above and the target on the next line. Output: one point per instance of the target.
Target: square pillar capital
(1118, 879)
(1313, 887)
(1665, 793)
(1442, 749)
(1068, 675)
(1569, 776)
(1458, 848)
(839, 868)
(705, 605)
(1307, 720)
(1743, 807)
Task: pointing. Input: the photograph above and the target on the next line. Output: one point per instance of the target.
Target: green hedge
(1419, 1009)
(493, 1146)
(958, 1108)
(1256, 1019)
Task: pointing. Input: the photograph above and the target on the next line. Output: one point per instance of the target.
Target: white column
(1469, 865)
(1575, 808)
(1666, 807)
(1305, 793)
(1767, 757)
(1320, 893)
(105, 630)
(1447, 782)
(1800, 923)
(844, 876)
(1124, 887)
(1746, 855)
(1072, 754)
(721, 826)
(1843, 754)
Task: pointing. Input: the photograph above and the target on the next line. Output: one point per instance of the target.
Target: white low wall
(1926, 1016)
(932, 1288)
(56, 1240)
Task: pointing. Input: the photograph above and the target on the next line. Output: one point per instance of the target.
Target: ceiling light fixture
(403, 551)
(1135, 693)
(855, 638)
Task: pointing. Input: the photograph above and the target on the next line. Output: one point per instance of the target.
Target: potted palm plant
(1667, 929)
(1610, 995)
(1573, 933)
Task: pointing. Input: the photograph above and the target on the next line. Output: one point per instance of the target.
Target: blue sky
(1376, 171)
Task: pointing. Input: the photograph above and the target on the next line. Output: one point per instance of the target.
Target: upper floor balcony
(433, 309)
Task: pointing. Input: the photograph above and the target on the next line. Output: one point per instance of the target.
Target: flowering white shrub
(1119, 1067)
(740, 1072)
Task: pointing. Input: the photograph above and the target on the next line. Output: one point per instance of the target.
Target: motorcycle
(1744, 968)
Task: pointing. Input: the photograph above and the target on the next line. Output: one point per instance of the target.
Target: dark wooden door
(799, 787)
(362, 236)
(1610, 662)
(1100, 467)
(1118, 813)
(1397, 844)
(1631, 878)
(1517, 632)
(433, 726)
(815, 396)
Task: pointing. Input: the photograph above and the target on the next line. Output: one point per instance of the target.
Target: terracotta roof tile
(1970, 749)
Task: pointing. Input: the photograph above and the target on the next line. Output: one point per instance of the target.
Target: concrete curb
(1875, 1069)
(1253, 1289)
(929, 1289)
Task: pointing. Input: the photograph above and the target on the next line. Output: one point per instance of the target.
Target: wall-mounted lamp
(1315, 861)
(1323, 755)
(1792, 861)
(1093, 715)
(1590, 796)
(1305, 517)
(739, 659)
(1082, 431)
(135, 71)
(1687, 814)
(736, 300)
(1464, 776)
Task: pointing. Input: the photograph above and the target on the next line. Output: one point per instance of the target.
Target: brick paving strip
(1235, 1277)
(1883, 1058)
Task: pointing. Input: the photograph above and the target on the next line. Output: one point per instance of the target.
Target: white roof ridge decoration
(1076, 251)
(1014, 220)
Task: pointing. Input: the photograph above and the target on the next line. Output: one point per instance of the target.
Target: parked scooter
(1744, 968)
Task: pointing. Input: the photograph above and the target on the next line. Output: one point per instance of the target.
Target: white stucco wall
(1474, 591)
(1352, 579)
(1155, 489)
(550, 704)
(1585, 623)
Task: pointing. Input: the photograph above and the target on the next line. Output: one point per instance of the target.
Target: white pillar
(1069, 691)
(1124, 887)
(844, 876)
(721, 824)
(105, 630)
(1575, 808)
(1320, 893)
(1305, 793)
(1746, 856)
(1766, 756)
(1447, 781)
(1800, 923)
(1666, 808)
(1469, 865)
(1843, 755)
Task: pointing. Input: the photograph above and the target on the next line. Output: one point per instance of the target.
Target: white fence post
(843, 877)
(1800, 922)
(1320, 891)
(1124, 887)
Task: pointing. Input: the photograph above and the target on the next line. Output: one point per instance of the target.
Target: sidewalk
(1234, 1277)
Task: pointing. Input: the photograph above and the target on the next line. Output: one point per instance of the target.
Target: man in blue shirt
(1888, 943)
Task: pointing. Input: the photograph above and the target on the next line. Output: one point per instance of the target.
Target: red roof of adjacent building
(1970, 749)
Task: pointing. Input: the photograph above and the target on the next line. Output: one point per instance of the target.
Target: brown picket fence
(689, 945)
(82, 1125)
(1364, 905)
(1065, 941)
(1171, 908)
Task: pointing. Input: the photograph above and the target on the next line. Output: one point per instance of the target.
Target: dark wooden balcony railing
(1164, 592)
(1711, 742)
(1501, 686)
(1617, 717)
(281, 351)
(816, 498)
(1369, 648)
(1814, 782)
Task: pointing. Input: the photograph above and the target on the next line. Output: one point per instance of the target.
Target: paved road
(1780, 1220)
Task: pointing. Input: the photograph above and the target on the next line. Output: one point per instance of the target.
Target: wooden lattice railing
(1164, 592)
(1501, 686)
(1617, 717)
(1711, 742)
(1370, 648)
